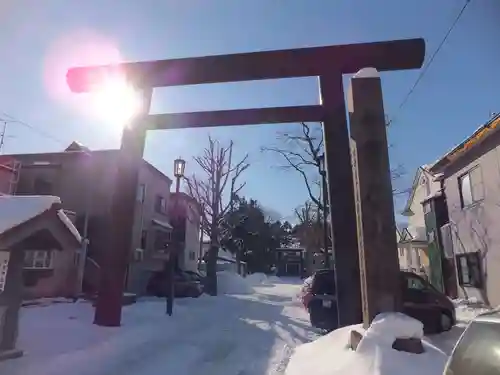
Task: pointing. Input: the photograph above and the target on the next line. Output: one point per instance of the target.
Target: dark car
(477, 350)
(420, 301)
(184, 285)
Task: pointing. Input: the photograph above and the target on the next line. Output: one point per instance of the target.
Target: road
(252, 334)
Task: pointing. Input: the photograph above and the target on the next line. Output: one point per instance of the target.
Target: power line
(8, 119)
(429, 63)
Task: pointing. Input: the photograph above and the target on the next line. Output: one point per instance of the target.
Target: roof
(416, 179)
(18, 209)
(479, 135)
(76, 148)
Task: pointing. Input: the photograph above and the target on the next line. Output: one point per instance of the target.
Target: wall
(63, 279)
(72, 173)
(413, 256)
(192, 244)
(477, 228)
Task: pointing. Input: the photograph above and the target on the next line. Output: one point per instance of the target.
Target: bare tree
(218, 173)
(301, 152)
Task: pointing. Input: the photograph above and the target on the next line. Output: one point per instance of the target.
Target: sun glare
(116, 102)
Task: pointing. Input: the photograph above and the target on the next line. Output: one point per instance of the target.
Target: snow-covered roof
(163, 224)
(479, 135)
(17, 209)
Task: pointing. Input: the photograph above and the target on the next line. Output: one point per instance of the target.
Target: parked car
(477, 350)
(184, 285)
(420, 300)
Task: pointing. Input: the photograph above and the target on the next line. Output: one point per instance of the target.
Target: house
(185, 213)
(226, 261)
(290, 261)
(36, 228)
(470, 175)
(412, 240)
(9, 174)
(84, 180)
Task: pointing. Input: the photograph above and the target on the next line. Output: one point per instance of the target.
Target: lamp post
(322, 171)
(179, 167)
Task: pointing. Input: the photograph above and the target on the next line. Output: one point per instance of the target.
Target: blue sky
(455, 97)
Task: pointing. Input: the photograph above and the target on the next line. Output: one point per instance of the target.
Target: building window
(161, 205)
(192, 255)
(144, 239)
(427, 207)
(162, 239)
(470, 186)
(469, 269)
(141, 193)
(38, 259)
(42, 186)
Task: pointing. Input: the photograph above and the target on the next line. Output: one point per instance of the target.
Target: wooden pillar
(341, 198)
(114, 261)
(10, 304)
(378, 250)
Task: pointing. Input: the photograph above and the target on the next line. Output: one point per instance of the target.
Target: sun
(115, 101)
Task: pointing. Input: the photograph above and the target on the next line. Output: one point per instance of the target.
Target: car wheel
(445, 322)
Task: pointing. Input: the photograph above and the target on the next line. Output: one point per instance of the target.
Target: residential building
(39, 224)
(412, 240)
(9, 174)
(185, 214)
(84, 181)
(471, 179)
(226, 261)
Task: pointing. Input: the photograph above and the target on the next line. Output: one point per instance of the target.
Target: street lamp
(179, 167)
(322, 172)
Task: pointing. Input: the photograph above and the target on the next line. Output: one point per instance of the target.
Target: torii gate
(328, 63)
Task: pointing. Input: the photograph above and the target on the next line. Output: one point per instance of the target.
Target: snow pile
(232, 283)
(374, 356)
(468, 309)
(258, 278)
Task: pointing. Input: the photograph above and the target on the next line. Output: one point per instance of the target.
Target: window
(427, 207)
(38, 259)
(401, 252)
(141, 193)
(42, 186)
(144, 239)
(162, 240)
(477, 351)
(414, 283)
(470, 186)
(139, 255)
(192, 255)
(469, 269)
(161, 205)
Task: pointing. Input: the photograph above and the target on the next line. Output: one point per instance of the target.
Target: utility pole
(2, 135)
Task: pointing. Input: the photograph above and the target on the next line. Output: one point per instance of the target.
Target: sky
(39, 43)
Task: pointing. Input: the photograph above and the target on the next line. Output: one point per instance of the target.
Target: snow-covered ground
(242, 334)
(257, 327)
(330, 355)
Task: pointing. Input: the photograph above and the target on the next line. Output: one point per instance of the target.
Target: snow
(367, 73)
(374, 355)
(232, 283)
(15, 210)
(225, 335)
(266, 332)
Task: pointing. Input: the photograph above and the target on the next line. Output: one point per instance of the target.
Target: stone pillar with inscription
(376, 228)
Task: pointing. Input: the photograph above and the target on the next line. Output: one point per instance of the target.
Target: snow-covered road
(226, 335)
